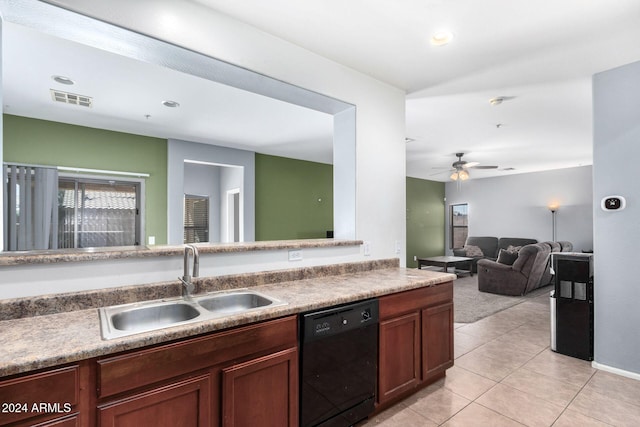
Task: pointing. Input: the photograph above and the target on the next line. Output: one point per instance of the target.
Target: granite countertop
(92, 254)
(30, 343)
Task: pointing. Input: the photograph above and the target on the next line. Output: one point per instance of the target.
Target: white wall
(516, 205)
(616, 151)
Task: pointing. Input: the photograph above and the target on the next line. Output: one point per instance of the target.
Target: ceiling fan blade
(439, 173)
(484, 167)
(470, 165)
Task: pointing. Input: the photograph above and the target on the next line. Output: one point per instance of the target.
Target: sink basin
(229, 303)
(153, 316)
(128, 319)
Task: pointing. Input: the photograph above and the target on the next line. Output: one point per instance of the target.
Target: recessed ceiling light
(441, 38)
(63, 80)
(170, 104)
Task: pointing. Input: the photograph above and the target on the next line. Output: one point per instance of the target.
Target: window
(47, 210)
(459, 223)
(196, 218)
(98, 213)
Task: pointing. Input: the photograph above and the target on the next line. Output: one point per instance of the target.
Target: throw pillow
(473, 251)
(513, 249)
(506, 257)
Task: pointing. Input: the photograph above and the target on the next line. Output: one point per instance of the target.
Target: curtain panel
(30, 207)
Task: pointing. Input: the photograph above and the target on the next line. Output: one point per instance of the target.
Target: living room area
(505, 372)
(509, 207)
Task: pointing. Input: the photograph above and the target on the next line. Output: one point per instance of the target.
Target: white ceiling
(541, 54)
(126, 91)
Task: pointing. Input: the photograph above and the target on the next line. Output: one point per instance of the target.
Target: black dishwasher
(338, 364)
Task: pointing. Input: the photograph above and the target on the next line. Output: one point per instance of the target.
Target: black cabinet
(572, 315)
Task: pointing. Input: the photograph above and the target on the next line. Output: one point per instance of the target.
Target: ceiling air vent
(71, 98)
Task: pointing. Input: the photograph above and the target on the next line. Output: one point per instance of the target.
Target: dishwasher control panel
(338, 319)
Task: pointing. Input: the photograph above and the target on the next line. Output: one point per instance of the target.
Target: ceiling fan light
(463, 175)
(454, 176)
(441, 38)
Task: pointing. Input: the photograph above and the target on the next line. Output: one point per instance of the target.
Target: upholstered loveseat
(489, 247)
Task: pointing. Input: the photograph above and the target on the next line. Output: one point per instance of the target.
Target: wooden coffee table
(445, 262)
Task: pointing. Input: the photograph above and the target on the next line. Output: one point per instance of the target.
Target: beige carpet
(470, 305)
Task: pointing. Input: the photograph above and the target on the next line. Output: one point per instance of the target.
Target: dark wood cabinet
(184, 403)
(44, 398)
(244, 376)
(262, 391)
(416, 340)
(437, 342)
(399, 356)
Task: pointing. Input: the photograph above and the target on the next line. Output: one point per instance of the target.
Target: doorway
(234, 224)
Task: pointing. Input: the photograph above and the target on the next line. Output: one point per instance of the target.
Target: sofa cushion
(504, 242)
(473, 251)
(489, 245)
(511, 249)
(506, 257)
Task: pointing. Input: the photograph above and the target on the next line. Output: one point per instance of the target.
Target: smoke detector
(71, 98)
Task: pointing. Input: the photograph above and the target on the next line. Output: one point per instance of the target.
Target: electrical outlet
(152, 240)
(415, 257)
(367, 248)
(295, 255)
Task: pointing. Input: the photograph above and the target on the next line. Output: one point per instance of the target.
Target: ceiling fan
(459, 168)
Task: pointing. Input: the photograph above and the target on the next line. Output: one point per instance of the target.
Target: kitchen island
(36, 344)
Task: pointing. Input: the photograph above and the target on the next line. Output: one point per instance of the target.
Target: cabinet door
(437, 339)
(399, 356)
(185, 403)
(56, 389)
(262, 392)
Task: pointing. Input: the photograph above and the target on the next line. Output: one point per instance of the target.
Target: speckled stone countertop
(93, 254)
(41, 341)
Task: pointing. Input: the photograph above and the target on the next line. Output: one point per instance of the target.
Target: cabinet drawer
(416, 299)
(39, 394)
(141, 368)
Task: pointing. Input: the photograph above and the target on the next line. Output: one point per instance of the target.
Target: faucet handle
(187, 286)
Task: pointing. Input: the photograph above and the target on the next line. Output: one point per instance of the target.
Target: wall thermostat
(613, 203)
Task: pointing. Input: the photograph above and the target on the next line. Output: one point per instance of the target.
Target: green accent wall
(42, 142)
(287, 198)
(425, 219)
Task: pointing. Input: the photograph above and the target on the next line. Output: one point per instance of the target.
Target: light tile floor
(506, 375)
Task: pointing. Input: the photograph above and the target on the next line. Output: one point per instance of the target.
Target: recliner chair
(523, 276)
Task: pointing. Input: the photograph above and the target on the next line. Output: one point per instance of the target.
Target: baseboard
(617, 371)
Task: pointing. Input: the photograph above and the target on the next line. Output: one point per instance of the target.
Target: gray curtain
(31, 207)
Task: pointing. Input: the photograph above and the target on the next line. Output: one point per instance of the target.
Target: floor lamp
(553, 208)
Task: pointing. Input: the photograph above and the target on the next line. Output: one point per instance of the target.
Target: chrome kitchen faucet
(187, 286)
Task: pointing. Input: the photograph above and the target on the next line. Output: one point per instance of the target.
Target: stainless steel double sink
(128, 319)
